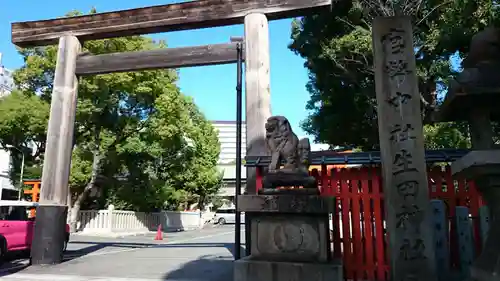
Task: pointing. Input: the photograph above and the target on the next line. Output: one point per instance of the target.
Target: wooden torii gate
(69, 33)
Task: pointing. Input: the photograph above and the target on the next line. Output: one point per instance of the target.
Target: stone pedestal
(483, 167)
(290, 239)
(281, 178)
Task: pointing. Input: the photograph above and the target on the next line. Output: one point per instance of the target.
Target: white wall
(5, 161)
(117, 221)
(226, 131)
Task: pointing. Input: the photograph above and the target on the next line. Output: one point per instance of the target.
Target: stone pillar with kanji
(402, 151)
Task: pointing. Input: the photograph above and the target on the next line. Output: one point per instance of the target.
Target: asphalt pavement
(198, 255)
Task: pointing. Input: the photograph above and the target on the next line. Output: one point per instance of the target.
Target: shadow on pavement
(12, 267)
(228, 246)
(14, 262)
(206, 268)
(72, 254)
(96, 246)
(19, 260)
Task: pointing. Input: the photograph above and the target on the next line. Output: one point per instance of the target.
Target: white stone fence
(117, 221)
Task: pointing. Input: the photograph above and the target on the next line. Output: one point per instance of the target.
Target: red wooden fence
(359, 235)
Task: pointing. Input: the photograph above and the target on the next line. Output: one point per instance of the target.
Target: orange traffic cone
(159, 234)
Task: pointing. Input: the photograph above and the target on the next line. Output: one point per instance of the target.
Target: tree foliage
(446, 135)
(338, 52)
(132, 131)
(23, 126)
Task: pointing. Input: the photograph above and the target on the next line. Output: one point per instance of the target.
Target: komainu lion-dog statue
(286, 149)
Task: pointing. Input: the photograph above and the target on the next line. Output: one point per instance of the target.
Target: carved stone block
(290, 237)
(247, 269)
(289, 203)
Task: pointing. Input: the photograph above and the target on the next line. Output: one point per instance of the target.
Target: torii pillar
(258, 96)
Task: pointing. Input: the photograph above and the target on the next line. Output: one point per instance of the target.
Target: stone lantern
(474, 96)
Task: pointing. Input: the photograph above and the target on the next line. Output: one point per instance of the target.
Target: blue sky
(212, 87)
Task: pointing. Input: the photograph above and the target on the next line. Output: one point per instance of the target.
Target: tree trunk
(75, 210)
(201, 203)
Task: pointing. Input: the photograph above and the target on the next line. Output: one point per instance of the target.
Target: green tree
(338, 53)
(217, 202)
(188, 169)
(23, 126)
(128, 140)
(112, 108)
(445, 135)
(205, 179)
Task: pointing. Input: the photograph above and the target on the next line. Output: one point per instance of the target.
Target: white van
(223, 216)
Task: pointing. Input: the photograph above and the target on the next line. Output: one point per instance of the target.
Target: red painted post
(258, 178)
(346, 222)
(366, 196)
(334, 189)
(357, 238)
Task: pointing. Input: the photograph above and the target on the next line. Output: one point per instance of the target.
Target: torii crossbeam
(156, 19)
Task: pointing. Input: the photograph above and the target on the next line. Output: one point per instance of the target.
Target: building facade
(226, 131)
(7, 190)
(6, 79)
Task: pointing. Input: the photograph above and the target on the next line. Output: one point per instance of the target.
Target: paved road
(203, 255)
